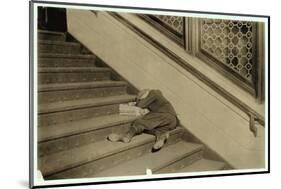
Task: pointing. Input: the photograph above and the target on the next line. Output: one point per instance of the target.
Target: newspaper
(130, 109)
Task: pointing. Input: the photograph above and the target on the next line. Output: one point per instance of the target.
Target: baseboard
(208, 152)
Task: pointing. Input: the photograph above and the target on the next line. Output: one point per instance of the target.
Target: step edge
(219, 167)
(87, 105)
(197, 149)
(100, 156)
(61, 55)
(172, 160)
(51, 32)
(80, 85)
(81, 131)
(64, 43)
(144, 141)
(221, 163)
(72, 69)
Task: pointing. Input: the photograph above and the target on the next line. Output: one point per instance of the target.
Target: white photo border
(34, 182)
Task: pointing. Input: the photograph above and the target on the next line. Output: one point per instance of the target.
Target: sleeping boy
(160, 120)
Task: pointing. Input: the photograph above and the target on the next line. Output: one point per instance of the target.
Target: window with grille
(232, 47)
(172, 26)
(173, 22)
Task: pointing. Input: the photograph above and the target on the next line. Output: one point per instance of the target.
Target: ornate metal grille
(172, 26)
(229, 46)
(232, 43)
(174, 22)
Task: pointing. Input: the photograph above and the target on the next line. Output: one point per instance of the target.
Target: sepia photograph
(122, 94)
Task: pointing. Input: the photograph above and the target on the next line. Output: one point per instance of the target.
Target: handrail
(253, 115)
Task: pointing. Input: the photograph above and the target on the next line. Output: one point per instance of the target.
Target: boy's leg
(135, 129)
(162, 134)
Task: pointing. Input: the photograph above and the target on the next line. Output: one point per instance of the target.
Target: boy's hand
(132, 103)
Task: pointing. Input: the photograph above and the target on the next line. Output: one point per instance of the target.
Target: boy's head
(143, 94)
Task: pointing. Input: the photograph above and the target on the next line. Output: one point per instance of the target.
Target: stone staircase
(78, 108)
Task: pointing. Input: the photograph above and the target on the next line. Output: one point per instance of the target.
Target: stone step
(65, 60)
(51, 35)
(203, 165)
(71, 110)
(153, 161)
(47, 46)
(72, 74)
(95, 157)
(65, 136)
(80, 90)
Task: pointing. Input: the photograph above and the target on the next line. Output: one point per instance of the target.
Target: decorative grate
(231, 43)
(174, 22)
(171, 26)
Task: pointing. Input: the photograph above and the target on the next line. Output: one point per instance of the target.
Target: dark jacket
(156, 102)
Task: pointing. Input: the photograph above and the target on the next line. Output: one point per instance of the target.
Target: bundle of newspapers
(131, 109)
